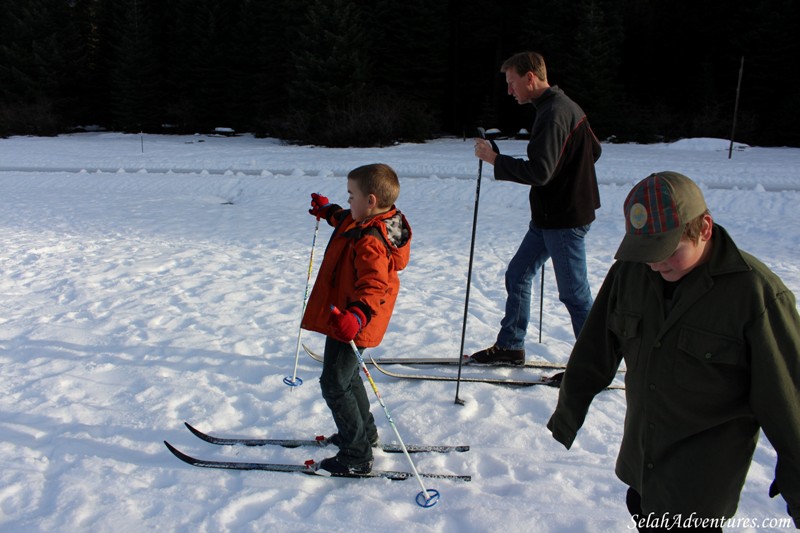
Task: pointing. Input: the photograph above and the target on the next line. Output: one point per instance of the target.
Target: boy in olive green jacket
(711, 342)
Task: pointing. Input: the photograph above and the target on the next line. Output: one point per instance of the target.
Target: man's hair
(525, 62)
(377, 179)
(693, 228)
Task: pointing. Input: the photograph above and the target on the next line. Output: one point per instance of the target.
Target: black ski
(310, 468)
(319, 442)
(553, 381)
(445, 361)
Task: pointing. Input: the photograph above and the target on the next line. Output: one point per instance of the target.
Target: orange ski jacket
(360, 269)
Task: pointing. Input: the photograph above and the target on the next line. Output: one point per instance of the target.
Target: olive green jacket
(700, 380)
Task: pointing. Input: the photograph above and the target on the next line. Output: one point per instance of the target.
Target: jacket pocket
(626, 327)
(710, 362)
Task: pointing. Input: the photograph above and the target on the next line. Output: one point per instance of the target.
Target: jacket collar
(725, 257)
(547, 95)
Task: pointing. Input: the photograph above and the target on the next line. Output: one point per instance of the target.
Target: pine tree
(29, 68)
(408, 45)
(260, 62)
(329, 61)
(592, 79)
(134, 69)
(74, 101)
(767, 38)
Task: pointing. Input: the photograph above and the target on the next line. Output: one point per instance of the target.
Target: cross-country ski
(550, 381)
(318, 442)
(443, 361)
(310, 468)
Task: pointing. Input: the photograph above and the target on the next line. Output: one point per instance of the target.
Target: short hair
(378, 179)
(525, 62)
(694, 227)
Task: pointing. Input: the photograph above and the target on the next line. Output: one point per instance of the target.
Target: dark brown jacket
(701, 380)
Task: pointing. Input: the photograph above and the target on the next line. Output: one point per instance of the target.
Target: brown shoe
(496, 355)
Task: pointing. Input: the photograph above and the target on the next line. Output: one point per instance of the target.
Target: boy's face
(361, 205)
(686, 256)
(680, 263)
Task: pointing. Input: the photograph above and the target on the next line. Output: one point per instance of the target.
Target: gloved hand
(346, 325)
(320, 205)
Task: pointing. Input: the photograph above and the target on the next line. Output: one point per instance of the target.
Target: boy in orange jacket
(358, 275)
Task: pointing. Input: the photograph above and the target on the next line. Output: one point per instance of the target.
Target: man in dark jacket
(563, 198)
(711, 342)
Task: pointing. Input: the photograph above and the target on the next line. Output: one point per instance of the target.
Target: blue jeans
(346, 397)
(567, 249)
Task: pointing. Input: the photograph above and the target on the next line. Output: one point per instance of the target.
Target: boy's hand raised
(320, 205)
(346, 325)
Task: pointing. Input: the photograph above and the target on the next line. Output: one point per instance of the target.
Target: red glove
(320, 205)
(347, 325)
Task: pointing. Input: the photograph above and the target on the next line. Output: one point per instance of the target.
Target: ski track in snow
(142, 289)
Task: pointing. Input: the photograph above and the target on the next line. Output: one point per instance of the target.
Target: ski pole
(294, 381)
(430, 497)
(541, 303)
(458, 400)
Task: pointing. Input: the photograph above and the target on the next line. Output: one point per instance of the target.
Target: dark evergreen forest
(370, 72)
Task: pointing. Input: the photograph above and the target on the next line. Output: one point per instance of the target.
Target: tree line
(373, 72)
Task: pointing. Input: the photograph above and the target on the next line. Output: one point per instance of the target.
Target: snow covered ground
(148, 281)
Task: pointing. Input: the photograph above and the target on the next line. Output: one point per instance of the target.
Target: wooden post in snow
(736, 107)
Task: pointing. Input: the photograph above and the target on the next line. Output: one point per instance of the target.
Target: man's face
(520, 87)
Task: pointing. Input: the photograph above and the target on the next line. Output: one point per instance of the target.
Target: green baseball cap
(656, 212)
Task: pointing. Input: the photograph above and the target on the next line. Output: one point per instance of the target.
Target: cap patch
(638, 216)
